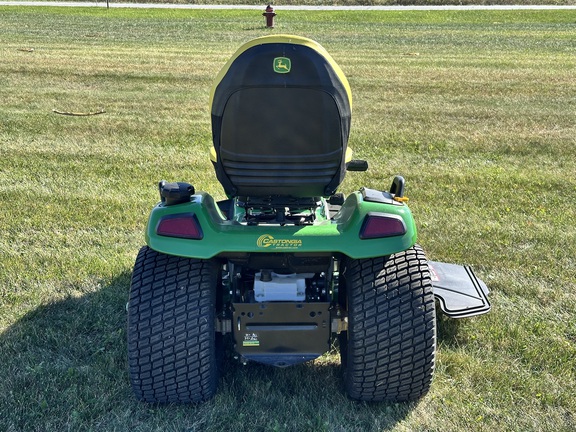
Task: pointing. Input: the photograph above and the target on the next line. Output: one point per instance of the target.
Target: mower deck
(460, 293)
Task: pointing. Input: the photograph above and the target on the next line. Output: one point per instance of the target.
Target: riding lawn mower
(286, 266)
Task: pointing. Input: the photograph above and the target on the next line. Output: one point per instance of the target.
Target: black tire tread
(171, 338)
(391, 341)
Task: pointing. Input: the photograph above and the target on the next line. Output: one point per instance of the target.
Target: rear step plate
(281, 333)
(460, 293)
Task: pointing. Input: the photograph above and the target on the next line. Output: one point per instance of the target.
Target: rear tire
(388, 352)
(171, 328)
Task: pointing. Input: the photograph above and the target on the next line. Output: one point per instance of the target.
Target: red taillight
(379, 225)
(180, 225)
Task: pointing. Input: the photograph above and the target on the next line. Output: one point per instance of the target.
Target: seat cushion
(281, 141)
(280, 133)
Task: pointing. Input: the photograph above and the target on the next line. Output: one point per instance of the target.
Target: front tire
(388, 352)
(171, 328)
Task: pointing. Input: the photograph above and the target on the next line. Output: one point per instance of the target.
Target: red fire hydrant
(269, 14)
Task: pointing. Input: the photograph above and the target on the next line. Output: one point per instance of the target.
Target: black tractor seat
(280, 121)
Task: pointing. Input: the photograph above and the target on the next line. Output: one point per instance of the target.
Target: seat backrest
(280, 120)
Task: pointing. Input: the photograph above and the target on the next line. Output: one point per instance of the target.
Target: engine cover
(273, 287)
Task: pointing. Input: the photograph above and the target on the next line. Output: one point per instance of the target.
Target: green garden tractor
(287, 266)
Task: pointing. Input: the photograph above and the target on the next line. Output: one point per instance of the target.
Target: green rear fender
(341, 234)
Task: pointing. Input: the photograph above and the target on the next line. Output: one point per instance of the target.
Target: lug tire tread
(391, 342)
(171, 334)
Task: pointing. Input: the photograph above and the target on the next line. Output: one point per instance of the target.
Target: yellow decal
(267, 241)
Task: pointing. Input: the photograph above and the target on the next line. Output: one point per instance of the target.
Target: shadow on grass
(309, 397)
(63, 363)
(447, 330)
(64, 367)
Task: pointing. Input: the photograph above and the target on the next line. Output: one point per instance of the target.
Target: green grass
(280, 3)
(476, 109)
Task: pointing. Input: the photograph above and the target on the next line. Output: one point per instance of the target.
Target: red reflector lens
(180, 225)
(379, 225)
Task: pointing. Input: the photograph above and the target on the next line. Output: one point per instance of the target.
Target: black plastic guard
(460, 293)
(281, 333)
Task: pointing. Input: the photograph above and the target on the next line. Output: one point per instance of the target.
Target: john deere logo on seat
(282, 65)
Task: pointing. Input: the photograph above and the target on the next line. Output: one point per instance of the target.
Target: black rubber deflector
(460, 293)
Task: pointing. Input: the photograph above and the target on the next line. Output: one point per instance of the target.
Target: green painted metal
(337, 235)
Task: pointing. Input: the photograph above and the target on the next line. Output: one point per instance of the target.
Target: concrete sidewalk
(282, 7)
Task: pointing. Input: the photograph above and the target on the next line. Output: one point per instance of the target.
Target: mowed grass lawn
(477, 110)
